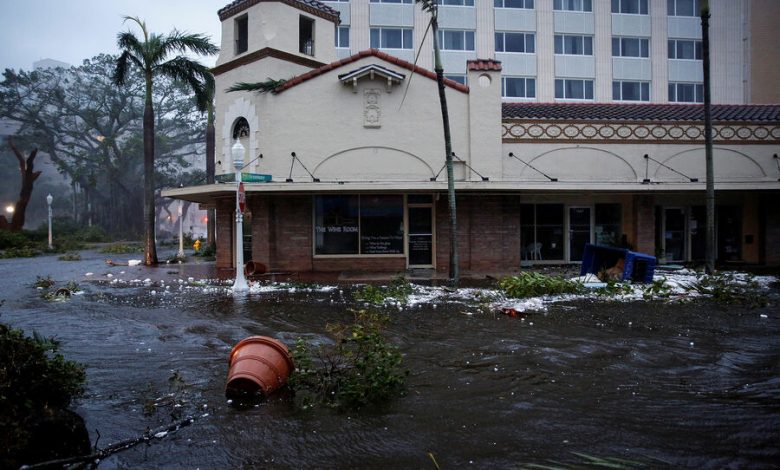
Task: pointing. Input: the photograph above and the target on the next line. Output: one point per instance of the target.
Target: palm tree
(432, 7)
(150, 55)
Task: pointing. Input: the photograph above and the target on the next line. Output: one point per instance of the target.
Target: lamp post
(237, 152)
(49, 199)
(181, 231)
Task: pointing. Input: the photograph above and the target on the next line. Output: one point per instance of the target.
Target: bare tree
(28, 176)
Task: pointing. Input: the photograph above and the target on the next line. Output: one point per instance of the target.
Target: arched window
(241, 133)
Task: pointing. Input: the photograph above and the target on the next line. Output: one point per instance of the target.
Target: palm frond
(122, 67)
(259, 87)
(141, 24)
(177, 41)
(429, 6)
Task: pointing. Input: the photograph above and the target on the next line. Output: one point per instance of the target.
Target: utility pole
(710, 197)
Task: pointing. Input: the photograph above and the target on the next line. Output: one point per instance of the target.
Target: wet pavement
(692, 385)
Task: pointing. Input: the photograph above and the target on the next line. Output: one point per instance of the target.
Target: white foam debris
(89, 274)
(161, 434)
(133, 262)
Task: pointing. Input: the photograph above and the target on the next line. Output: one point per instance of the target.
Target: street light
(237, 152)
(10, 209)
(49, 199)
(181, 231)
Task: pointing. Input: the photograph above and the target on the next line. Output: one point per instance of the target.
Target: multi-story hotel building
(573, 121)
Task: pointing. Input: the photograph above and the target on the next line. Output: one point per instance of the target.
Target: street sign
(241, 198)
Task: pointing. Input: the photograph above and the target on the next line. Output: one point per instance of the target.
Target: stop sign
(241, 198)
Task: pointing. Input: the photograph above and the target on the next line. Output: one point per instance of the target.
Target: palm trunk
(210, 170)
(439, 69)
(150, 248)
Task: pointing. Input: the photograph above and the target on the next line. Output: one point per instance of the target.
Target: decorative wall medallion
(517, 130)
(371, 113)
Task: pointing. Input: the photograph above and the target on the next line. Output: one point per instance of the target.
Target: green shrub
(122, 248)
(726, 288)
(530, 284)
(35, 381)
(360, 369)
(398, 289)
(92, 234)
(23, 252)
(43, 282)
(10, 240)
(70, 257)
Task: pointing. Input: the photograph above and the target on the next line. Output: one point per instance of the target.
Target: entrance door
(674, 233)
(729, 233)
(579, 231)
(420, 240)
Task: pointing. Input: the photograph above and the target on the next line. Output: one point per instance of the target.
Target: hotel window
(573, 45)
(342, 37)
(630, 47)
(630, 91)
(391, 38)
(568, 89)
(527, 4)
(685, 49)
(343, 1)
(241, 28)
(458, 3)
(516, 42)
(359, 225)
(682, 7)
(573, 5)
(456, 78)
(541, 231)
(686, 92)
(391, 1)
(518, 87)
(630, 7)
(456, 40)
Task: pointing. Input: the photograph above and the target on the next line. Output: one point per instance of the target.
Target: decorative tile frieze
(649, 132)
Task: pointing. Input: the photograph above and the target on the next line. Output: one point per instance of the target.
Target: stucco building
(352, 141)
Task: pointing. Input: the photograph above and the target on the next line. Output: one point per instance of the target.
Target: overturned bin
(620, 263)
(258, 366)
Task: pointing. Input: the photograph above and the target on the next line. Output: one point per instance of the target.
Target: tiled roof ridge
(361, 55)
(640, 111)
(312, 6)
(484, 64)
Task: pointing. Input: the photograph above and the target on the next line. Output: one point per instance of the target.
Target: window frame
(640, 3)
(585, 82)
(406, 2)
(673, 49)
(237, 30)
(524, 7)
(642, 42)
(444, 31)
(339, 35)
(526, 80)
(671, 9)
(502, 35)
(559, 5)
(583, 41)
(463, 3)
(403, 35)
(698, 92)
(456, 77)
(643, 86)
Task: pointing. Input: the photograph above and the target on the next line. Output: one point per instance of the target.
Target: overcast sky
(73, 30)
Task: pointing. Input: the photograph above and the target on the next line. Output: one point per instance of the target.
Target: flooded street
(680, 385)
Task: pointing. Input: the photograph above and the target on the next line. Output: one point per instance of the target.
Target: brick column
(644, 224)
(225, 221)
(261, 229)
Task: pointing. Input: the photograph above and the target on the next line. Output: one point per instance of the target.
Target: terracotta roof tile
(640, 112)
(361, 55)
(484, 64)
(312, 6)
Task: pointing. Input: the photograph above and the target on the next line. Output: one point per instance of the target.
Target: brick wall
(643, 236)
(224, 232)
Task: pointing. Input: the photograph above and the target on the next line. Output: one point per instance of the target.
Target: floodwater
(686, 385)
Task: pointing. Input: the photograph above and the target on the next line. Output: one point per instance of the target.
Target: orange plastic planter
(258, 365)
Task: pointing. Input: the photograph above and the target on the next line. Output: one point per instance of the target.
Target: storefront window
(541, 231)
(355, 225)
(608, 224)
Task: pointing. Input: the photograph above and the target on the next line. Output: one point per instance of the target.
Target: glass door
(579, 231)
(674, 233)
(420, 241)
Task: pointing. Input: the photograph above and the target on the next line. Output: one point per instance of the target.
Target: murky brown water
(694, 385)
